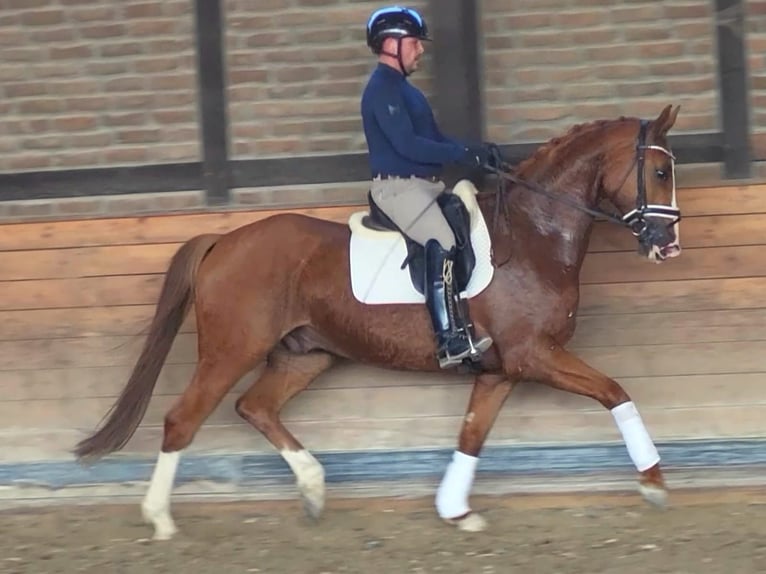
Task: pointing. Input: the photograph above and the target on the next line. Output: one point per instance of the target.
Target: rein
(502, 190)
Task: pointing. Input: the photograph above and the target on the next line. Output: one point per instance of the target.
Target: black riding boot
(453, 342)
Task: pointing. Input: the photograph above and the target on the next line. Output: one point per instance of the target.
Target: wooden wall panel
(685, 338)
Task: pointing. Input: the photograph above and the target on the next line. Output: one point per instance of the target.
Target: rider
(407, 152)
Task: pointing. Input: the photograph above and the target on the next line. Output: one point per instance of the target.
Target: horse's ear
(665, 120)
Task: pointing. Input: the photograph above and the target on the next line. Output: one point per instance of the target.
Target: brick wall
(89, 83)
(296, 72)
(552, 63)
(86, 84)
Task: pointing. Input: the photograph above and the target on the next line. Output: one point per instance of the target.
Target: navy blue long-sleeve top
(402, 136)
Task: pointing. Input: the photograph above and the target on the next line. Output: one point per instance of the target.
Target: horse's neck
(557, 229)
(546, 233)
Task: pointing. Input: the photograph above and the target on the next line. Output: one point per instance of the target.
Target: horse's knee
(261, 418)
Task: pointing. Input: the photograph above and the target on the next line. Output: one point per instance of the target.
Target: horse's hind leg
(561, 369)
(210, 383)
(284, 376)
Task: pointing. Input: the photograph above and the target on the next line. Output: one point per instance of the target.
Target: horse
(295, 313)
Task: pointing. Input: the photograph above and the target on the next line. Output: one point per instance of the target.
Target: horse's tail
(175, 299)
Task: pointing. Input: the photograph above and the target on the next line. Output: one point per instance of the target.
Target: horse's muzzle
(670, 251)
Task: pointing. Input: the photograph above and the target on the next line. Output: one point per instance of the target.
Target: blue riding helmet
(394, 22)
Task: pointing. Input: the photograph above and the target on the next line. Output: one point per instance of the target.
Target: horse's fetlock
(178, 434)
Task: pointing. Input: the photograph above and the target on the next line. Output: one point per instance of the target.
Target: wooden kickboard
(685, 338)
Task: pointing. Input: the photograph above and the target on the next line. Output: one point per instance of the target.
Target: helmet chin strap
(398, 56)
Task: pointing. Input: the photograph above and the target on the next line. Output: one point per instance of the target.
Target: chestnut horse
(278, 290)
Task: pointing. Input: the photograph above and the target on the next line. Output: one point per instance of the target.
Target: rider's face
(412, 49)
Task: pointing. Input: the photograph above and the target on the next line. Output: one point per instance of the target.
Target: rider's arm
(393, 119)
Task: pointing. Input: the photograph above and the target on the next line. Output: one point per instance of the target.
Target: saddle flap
(374, 234)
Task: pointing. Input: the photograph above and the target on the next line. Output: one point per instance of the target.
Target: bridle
(635, 219)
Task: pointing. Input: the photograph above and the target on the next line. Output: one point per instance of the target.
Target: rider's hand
(494, 156)
(475, 156)
(487, 156)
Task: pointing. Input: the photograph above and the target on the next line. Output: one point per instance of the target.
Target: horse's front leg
(557, 367)
(489, 394)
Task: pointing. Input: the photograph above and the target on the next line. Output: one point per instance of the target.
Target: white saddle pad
(376, 257)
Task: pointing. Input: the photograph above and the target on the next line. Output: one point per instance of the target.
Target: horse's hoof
(164, 526)
(313, 496)
(313, 508)
(164, 534)
(655, 495)
(471, 522)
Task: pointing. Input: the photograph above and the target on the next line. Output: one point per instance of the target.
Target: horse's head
(639, 179)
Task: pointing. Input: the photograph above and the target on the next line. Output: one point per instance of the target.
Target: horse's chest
(545, 307)
(556, 313)
(563, 316)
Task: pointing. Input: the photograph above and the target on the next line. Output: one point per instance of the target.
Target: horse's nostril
(670, 250)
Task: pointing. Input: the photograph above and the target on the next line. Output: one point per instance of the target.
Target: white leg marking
(641, 449)
(309, 475)
(453, 492)
(156, 505)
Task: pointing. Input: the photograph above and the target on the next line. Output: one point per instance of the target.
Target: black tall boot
(453, 343)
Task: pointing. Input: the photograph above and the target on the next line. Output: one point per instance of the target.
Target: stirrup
(479, 346)
(470, 355)
(446, 360)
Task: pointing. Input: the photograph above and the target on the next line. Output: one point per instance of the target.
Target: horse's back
(278, 245)
(282, 233)
(282, 225)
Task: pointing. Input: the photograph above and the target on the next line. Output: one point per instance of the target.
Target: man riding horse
(407, 152)
(296, 313)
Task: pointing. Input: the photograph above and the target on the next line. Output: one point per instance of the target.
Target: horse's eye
(661, 174)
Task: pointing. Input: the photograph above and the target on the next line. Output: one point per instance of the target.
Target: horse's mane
(576, 131)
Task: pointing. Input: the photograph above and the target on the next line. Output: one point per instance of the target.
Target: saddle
(456, 214)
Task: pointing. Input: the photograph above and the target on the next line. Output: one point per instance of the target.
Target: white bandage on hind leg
(641, 449)
(452, 495)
